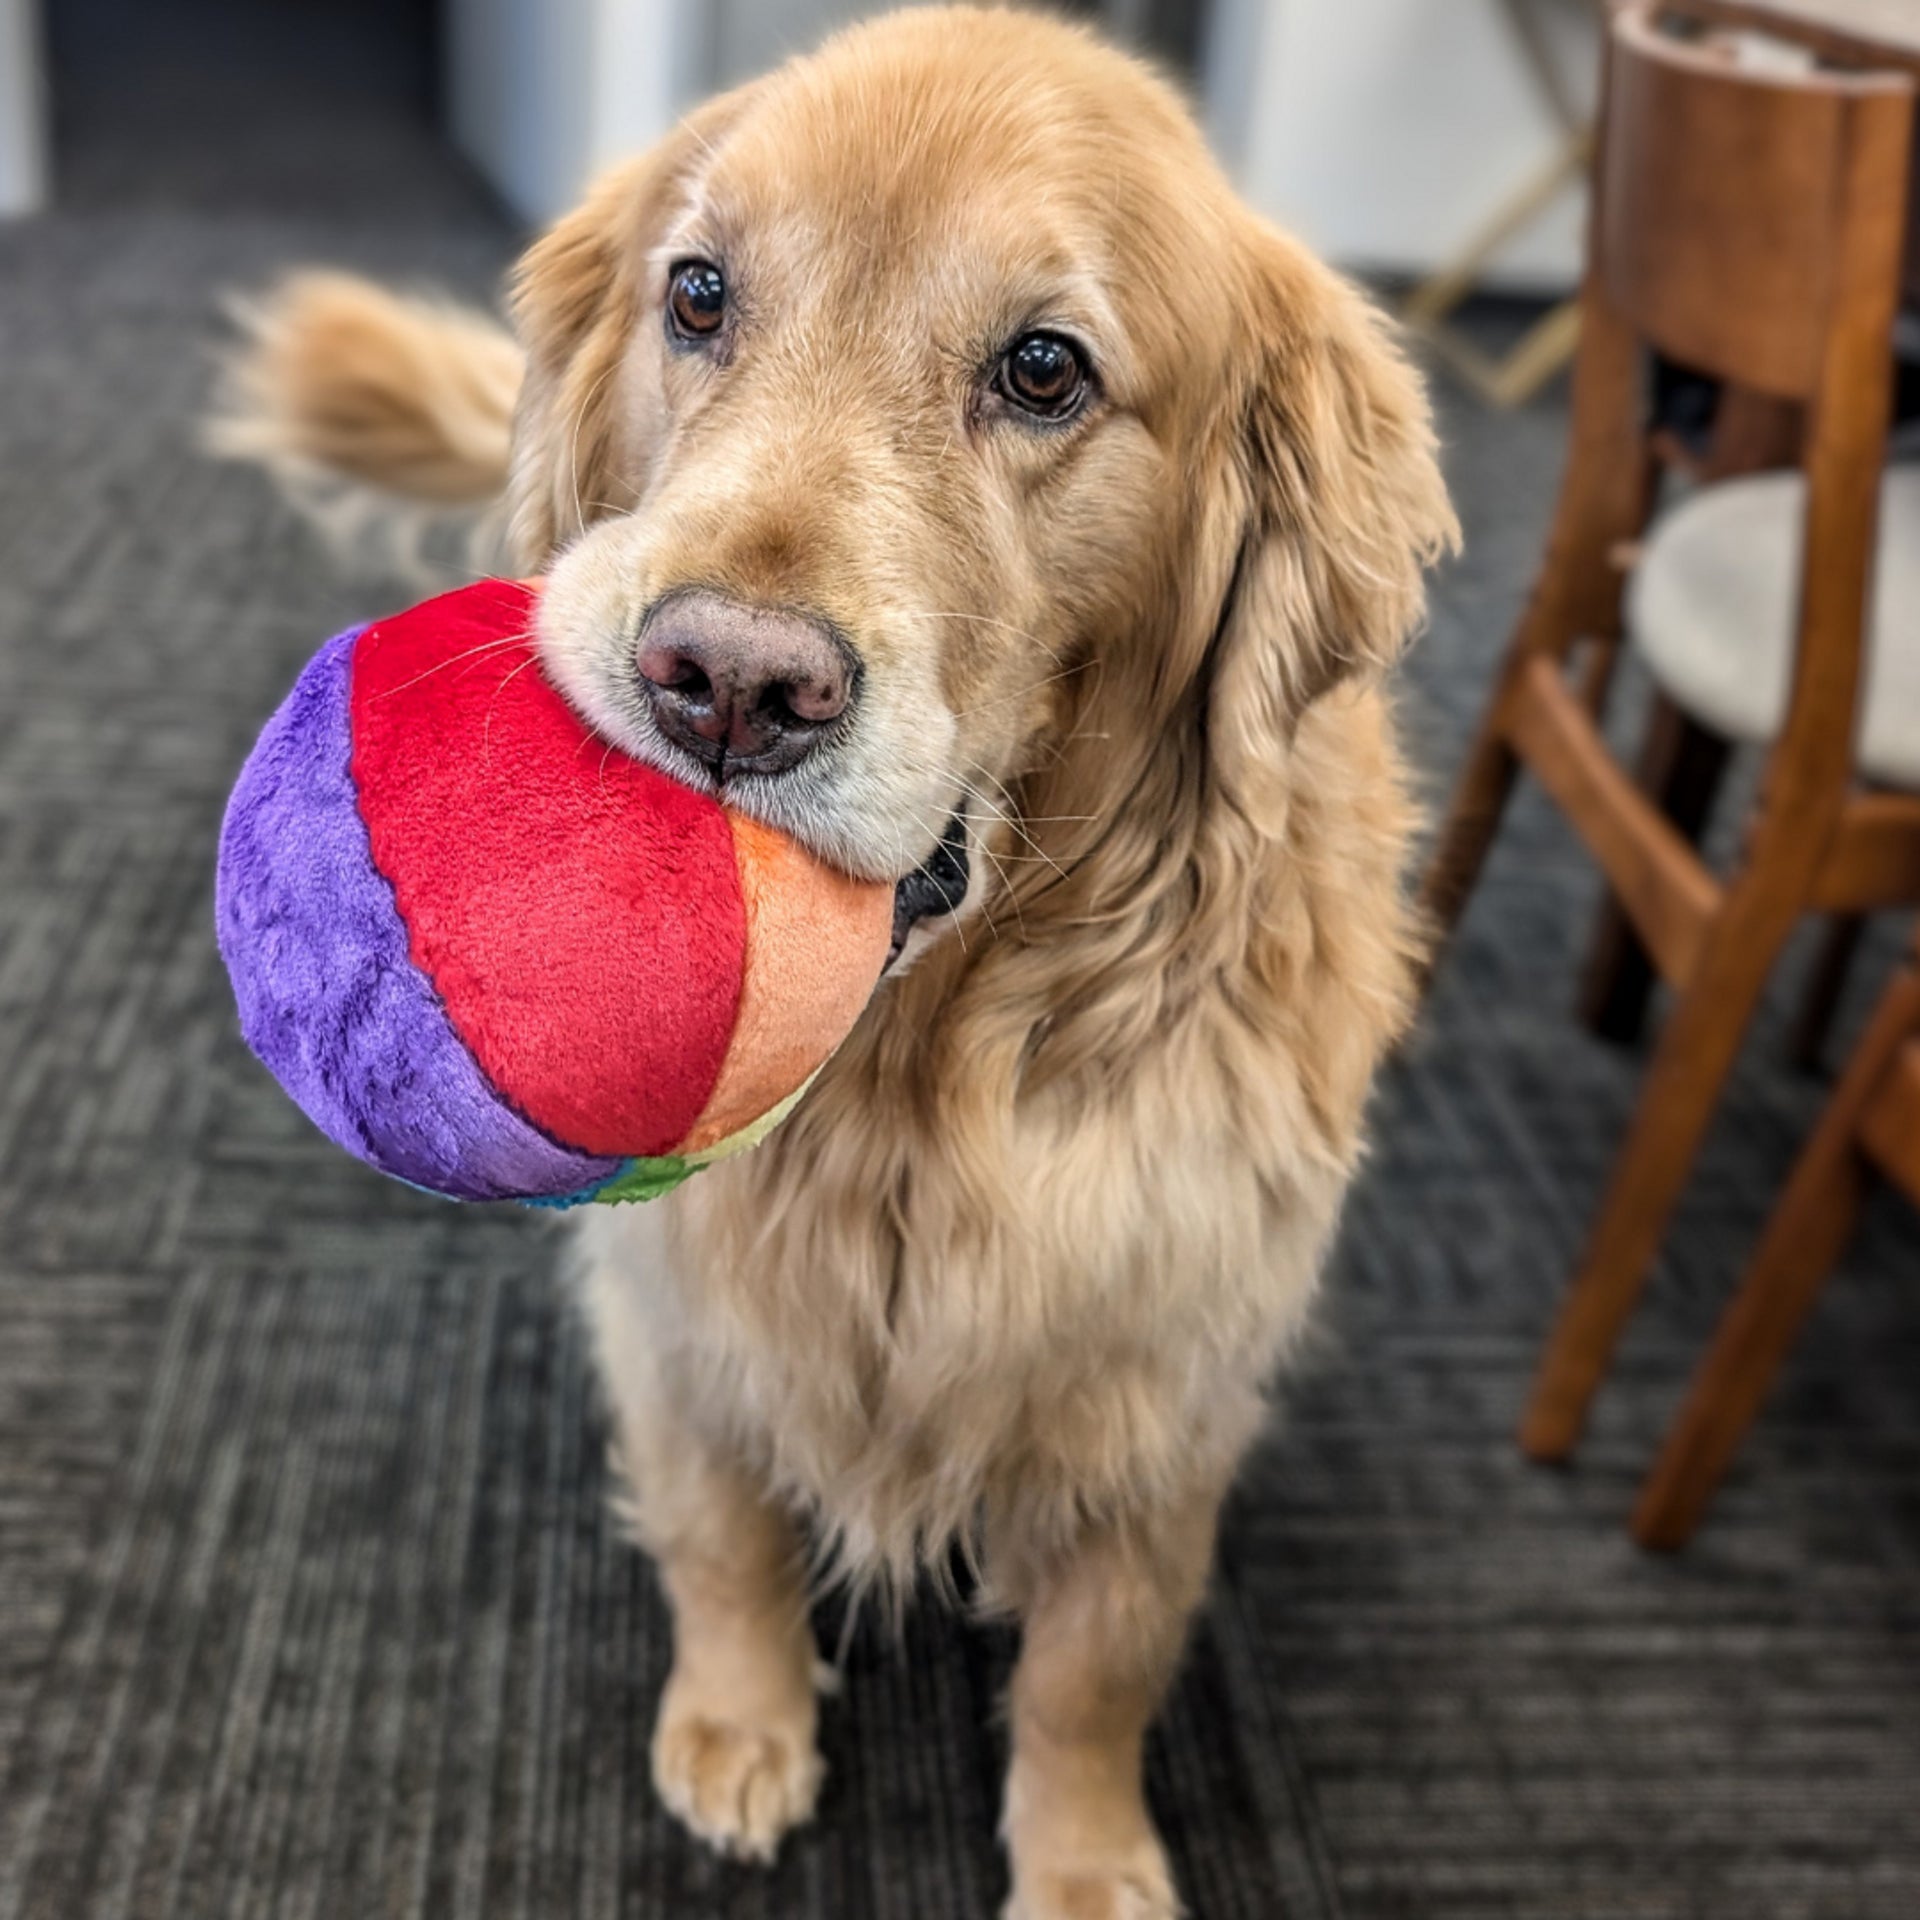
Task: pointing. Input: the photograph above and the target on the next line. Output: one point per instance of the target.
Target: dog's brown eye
(696, 299)
(1045, 374)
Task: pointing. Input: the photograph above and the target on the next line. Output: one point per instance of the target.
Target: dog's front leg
(733, 1747)
(1102, 1626)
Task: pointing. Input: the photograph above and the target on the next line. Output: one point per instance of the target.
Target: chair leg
(1681, 764)
(1802, 1241)
(1807, 1043)
(1690, 1065)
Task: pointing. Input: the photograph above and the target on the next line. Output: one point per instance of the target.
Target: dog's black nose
(741, 685)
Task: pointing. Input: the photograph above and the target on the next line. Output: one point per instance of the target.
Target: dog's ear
(575, 298)
(1338, 505)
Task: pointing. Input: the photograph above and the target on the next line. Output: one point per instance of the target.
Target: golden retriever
(926, 449)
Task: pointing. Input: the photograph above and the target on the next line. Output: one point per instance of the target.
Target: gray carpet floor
(310, 1602)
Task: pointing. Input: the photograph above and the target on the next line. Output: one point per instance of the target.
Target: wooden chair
(1749, 225)
(1872, 1123)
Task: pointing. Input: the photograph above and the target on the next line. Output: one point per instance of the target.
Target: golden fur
(1015, 1275)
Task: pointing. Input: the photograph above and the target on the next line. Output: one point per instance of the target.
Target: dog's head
(922, 441)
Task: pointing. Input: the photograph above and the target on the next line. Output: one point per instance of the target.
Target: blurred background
(1387, 131)
(310, 1598)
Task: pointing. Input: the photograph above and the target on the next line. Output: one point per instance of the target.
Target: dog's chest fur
(908, 1328)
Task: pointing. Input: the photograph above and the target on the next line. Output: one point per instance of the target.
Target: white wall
(23, 116)
(543, 93)
(649, 69)
(1384, 132)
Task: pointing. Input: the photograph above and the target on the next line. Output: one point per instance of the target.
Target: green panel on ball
(646, 1179)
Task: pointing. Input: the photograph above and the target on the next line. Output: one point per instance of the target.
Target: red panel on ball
(580, 914)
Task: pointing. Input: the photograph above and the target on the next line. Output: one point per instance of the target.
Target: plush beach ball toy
(495, 957)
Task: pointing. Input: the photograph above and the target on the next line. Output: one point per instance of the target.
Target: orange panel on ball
(816, 941)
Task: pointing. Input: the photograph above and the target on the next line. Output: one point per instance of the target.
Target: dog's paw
(1139, 1888)
(740, 1788)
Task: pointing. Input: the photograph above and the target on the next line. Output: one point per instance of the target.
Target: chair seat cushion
(1714, 603)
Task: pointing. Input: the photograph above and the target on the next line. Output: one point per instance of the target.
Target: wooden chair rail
(1668, 894)
(1873, 860)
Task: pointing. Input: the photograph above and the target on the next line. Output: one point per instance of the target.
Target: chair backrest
(1740, 208)
(1749, 221)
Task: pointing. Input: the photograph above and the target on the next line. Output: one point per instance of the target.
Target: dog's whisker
(971, 791)
(1014, 859)
(936, 828)
(486, 728)
(573, 449)
(1023, 693)
(1008, 892)
(440, 666)
(950, 904)
(984, 620)
(1009, 821)
(1038, 857)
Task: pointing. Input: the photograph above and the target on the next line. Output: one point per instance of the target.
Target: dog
(927, 452)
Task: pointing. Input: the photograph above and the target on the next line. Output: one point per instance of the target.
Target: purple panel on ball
(330, 998)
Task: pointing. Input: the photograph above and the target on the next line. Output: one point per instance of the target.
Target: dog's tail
(338, 383)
